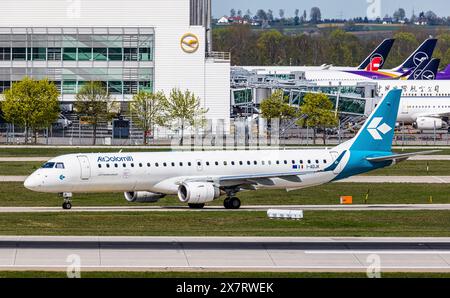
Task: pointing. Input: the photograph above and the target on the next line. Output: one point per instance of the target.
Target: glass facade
(122, 58)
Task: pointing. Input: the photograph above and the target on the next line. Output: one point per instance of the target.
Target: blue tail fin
(377, 132)
(381, 51)
(430, 71)
(425, 51)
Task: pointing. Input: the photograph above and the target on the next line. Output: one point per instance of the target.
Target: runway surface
(225, 254)
(121, 209)
(355, 179)
(12, 178)
(24, 159)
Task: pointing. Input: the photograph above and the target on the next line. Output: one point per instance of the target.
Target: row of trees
(315, 112)
(271, 18)
(337, 47)
(315, 17)
(34, 105)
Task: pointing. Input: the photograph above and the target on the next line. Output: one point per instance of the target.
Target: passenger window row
(216, 163)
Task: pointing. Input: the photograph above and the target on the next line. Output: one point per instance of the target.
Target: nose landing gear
(67, 196)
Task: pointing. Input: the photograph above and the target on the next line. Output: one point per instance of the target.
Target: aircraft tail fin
(428, 73)
(377, 132)
(424, 51)
(381, 53)
(415, 74)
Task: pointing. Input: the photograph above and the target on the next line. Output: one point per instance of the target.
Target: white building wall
(217, 86)
(169, 18)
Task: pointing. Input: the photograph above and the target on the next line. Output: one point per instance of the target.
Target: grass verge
(13, 194)
(315, 224)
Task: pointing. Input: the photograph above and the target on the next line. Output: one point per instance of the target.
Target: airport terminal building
(151, 45)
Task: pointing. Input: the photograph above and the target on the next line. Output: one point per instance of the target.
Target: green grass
(415, 168)
(315, 224)
(41, 274)
(13, 194)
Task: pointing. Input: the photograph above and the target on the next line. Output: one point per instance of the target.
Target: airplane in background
(377, 57)
(373, 72)
(425, 103)
(201, 177)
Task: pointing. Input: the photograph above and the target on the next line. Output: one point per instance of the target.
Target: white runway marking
(260, 208)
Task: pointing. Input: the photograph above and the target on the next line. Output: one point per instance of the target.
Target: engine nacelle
(143, 197)
(426, 123)
(198, 192)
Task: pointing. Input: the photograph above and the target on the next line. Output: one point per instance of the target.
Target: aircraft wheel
(67, 205)
(232, 203)
(196, 206)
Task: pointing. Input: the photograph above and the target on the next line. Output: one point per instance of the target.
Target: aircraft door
(335, 156)
(85, 167)
(405, 109)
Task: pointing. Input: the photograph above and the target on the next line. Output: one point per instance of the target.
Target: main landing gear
(232, 203)
(67, 196)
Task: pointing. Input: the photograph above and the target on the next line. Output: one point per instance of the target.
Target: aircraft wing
(264, 179)
(399, 157)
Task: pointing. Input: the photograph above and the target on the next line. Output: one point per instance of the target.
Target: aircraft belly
(304, 182)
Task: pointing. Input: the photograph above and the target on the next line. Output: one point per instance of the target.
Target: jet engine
(143, 197)
(426, 123)
(198, 192)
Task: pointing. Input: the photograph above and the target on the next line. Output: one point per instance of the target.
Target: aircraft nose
(31, 183)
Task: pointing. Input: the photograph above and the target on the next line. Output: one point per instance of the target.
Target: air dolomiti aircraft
(201, 177)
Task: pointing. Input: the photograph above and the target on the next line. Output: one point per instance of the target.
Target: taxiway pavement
(225, 254)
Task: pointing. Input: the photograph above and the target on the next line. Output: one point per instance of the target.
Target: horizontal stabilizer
(399, 157)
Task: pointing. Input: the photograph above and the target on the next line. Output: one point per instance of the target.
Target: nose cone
(31, 183)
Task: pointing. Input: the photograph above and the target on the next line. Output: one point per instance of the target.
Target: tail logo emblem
(375, 128)
(419, 57)
(428, 75)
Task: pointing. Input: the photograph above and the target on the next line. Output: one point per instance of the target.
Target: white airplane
(425, 104)
(201, 177)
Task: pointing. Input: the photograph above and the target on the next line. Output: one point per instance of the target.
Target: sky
(332, 8)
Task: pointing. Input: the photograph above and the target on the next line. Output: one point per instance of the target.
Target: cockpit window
(59, 165)
(48, 165)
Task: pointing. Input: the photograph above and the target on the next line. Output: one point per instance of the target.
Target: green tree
(276, 107)
(342, 47)
(94, 104)
(31, 104)
(182, 109)
(148, 107)
(317, 112)
(270, 48)
(405, 42)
